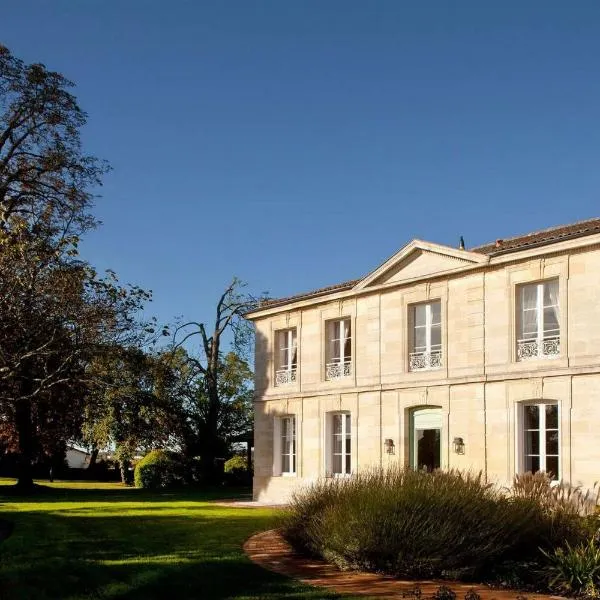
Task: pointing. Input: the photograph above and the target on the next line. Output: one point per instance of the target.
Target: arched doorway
(426, 439)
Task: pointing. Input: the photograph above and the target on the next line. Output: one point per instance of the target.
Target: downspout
(485, 415)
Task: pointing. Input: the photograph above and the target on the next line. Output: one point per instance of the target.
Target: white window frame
(286, 372)
(345, 434)
(541, 429)
(547, 346)
(428, 357)
(279, 446)
(338, 366)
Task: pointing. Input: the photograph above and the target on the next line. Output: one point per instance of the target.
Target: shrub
(236, 471)
(158, 469)
(575, 569)
(415, 524)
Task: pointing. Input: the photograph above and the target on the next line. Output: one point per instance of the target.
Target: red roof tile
(522, 242)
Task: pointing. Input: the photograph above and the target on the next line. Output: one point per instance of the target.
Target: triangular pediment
(418, 260)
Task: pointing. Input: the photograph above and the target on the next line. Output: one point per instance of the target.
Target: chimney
(461, 245)
(499, 243)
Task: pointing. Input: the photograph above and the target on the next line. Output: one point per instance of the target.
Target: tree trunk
(25, 433)
(93, 458)
(124, 469)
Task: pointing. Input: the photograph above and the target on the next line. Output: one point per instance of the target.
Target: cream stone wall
(480, 387)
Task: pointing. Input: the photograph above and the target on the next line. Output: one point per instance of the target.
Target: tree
(56, 313)
(131, 405)
(218, 380)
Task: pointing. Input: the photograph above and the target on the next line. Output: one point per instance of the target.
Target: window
(288, 445)
(538, 321)
(338, 349)
(426, 337)
(286, 361)
(540, 439)
(341, 462)
(284, 445)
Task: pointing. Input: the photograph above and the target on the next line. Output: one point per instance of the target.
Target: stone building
(485, 359)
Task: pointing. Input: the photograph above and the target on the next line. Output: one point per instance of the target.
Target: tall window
(341, 462)
(338, 349)
(541, 436)
(288, 445)
(426, 336)
(538, 320)
(287, 357)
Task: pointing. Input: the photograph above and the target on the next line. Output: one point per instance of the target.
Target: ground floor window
(540, 434)
(426, 439)
(341, 444)
(284, 462)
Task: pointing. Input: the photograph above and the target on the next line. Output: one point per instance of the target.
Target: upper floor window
(541, 436)
(426, 336)
(338, 349)
(286, 362)
(538, 320)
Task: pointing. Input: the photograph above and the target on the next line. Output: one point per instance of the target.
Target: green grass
(75, 540)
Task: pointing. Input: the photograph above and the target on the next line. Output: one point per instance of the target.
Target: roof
(501, 246)
(540, 238)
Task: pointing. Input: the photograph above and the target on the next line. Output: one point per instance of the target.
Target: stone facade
(480, 388)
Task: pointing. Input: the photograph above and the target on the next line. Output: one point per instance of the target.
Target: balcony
(425, 361)
(535, 349)
(338, 370)
(285, 376)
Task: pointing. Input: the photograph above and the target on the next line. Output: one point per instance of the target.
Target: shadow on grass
(43, 493)
(83, 552)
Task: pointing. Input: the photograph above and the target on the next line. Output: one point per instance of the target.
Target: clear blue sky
(299, 144)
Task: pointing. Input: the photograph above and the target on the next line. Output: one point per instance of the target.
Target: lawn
(95, 540)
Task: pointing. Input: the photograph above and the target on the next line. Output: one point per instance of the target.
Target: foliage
(554, 497)
(575, 570)
(158, 469)
(57, 313)
(237, 472)
(415, 524)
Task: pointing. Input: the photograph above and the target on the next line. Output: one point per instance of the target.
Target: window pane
(436, 312)
(420, 339)
(348, 465)
(337, 444)
(337, 423)
(347, 448)
(419, 315)
(337, 463)
(552, 442)
(347, 424)
(285, 463)
(551, 416)
(550, 321)
(436, 336)
(529, 296)
(531, 414)
(532, 442)
(552, 466)
(284, 427)
(550, 293)
(532, 463)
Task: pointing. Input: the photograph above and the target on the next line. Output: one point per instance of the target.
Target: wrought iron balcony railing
(546, 348)
(425, 361)
(285, 376)
(338, 370)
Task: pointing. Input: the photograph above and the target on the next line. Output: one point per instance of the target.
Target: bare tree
(229, 313)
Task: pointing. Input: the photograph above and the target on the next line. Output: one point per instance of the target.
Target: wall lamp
(389, 446)
(459, 445)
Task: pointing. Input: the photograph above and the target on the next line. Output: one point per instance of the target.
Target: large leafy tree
(133, 404)
(56, 313)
